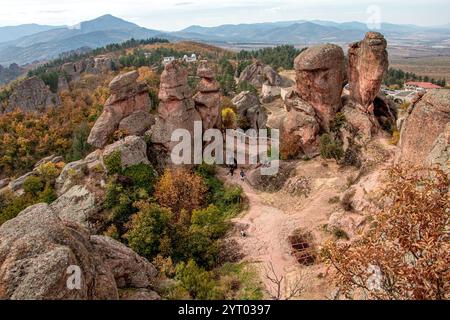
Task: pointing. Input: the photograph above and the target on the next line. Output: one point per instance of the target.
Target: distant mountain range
(29, 43)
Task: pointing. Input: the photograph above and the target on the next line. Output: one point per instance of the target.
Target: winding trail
(267, 229)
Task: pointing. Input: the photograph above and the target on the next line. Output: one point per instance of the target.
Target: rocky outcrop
(41, 254)
(132, 149)
(257, 74)
(75, 172)
(320, 77)
(137, 123)
(78, 205)
(127, 97)
(8, 74)
(99, 64)
(250, 113)
(301, 124)
(207, 100)
(73, 69)
(367, 63)
(176, 109)
(31, 95)
(424, 135)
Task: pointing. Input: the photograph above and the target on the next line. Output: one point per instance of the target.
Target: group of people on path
(233, 167)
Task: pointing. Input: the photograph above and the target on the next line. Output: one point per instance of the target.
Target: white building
(168, 60)
(192, 58)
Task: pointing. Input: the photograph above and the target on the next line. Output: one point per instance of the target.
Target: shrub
(147, 227)
(339, 233)
(113, 162)
(48, 195)
(330, 148)
(80, 148)
(405, 254)
(49, 172)
(338, 122)
(142, 175)
(229, 118)
(13, 205)
(195, 280)
(33, 185)
(351, 157)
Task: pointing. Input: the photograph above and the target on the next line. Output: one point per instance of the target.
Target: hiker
(233, 167)
(242, 174)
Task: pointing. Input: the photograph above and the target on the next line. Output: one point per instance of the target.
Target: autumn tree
(180, 189)
(405, 255)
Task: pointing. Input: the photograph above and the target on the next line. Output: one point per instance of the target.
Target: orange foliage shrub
(406, 253)
(180, 189)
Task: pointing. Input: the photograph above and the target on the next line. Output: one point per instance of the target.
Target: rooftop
(424, 85)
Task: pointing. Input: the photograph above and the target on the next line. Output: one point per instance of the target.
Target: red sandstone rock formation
(176, 109)
(367, 63)
(127, 97)
(425, 134)
(301, 122)
(207, 100)
(320, 77)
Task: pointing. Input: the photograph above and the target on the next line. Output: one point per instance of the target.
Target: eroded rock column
(320, 77)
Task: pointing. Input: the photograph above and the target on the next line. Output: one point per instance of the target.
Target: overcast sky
(173, 15)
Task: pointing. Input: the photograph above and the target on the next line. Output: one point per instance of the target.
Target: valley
(90, 176)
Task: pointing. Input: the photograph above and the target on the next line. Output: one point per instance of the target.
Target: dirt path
(263, 225)
(272, 217)
(268, 226)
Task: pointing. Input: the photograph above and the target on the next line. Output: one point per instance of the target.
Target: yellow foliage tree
(180, 189)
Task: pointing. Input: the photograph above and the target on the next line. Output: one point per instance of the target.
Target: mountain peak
(106, 22)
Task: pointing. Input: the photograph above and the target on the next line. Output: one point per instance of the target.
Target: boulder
(257, 74)
(139, 274)
(250, 112)
(137, 123)
(132, 149)
(320, 78)
(363, 124)
(127, 97)
(41, 253)
(78, 205)
(367, 64)
(74, 172)
(424, 135)
(32, 95)
(301, 122)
